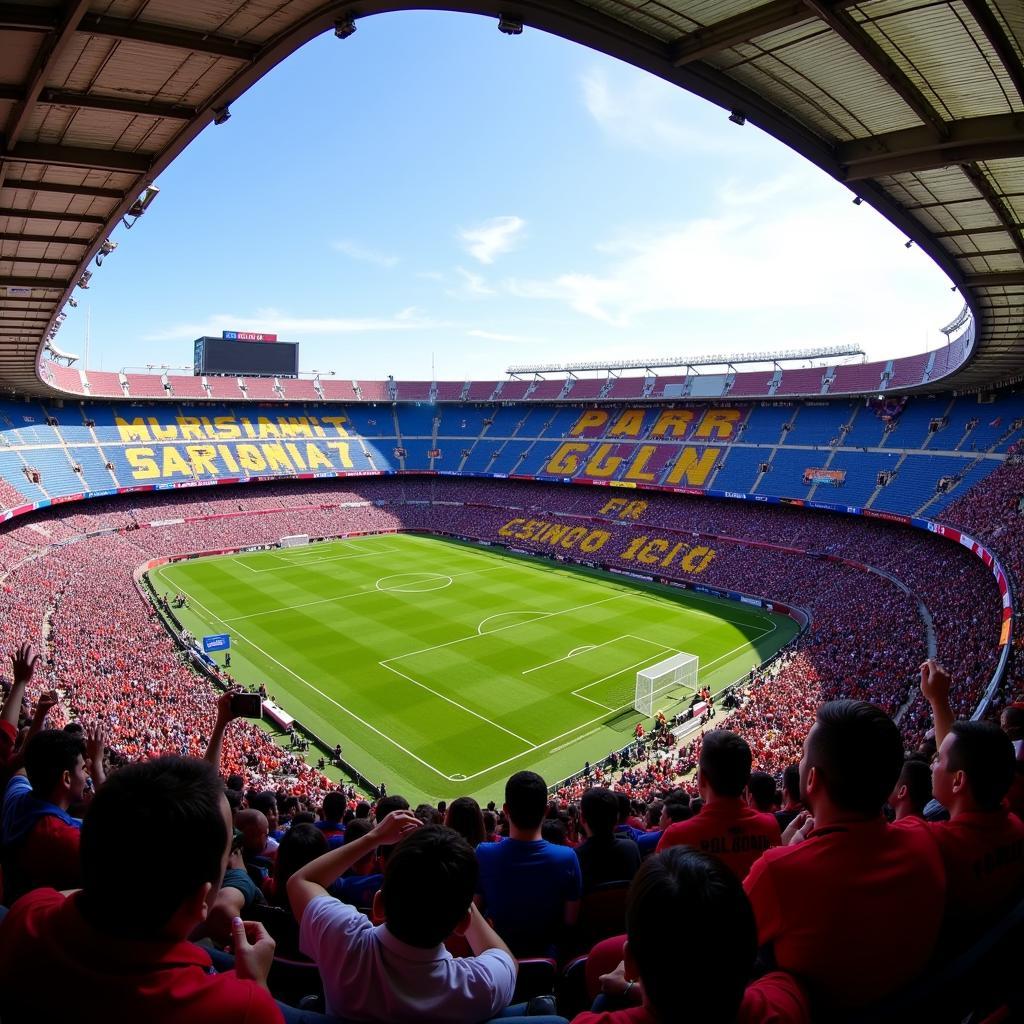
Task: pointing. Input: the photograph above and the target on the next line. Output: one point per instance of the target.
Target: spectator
(762, 794)
(364, 877)
(913, 789)
(683, 885)
(982, 844)
(725, 827)
(604, 856)
(400, 970)
(120, 942)
(528, 887)
(464, 816)
(852, 907)
(334, 810)
(791, 803)
(40, 837)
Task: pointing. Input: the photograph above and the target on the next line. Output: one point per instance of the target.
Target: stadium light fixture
(221, 115)
(737, 118)
(83, 281)
(510, 26)
(345, 26)
(73, 302)
(105, 250)
(908, 243)
(140, 206)
(857, 200)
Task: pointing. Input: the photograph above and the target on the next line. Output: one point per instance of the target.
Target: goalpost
(295, 540)
(653, 683)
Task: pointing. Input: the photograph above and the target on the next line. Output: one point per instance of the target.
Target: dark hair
(75, 729)
(677, 808)
(428, 814)
(553, 830)
(623, 805)
(234, 798)
(362, 809)
(172, 796)
(388, 804)
(334, 806)
(791, 782)
(1013, 716)
(236, 782)
(526, 794)
(762, 790)
(916, 775)
(429, 883)
(600, 810)
(725, 762)
(682, 884)
(48, 756)
(357, 828)
(984, 753)
(858, 750)
(263, 802)
(299, 845)
(490, 823)
(464, 816)
(303, 818)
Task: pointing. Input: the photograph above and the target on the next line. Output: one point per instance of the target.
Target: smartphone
(247, 705)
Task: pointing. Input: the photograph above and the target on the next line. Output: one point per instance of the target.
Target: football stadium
(477, 696)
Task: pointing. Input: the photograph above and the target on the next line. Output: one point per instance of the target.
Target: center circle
(415, 582)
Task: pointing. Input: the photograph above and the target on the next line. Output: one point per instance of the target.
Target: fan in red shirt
(120, 943)
(726, 826)
(678, 896)
(854, 908)
(982, 844)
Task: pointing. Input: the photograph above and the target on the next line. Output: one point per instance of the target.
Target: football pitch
(443, 667)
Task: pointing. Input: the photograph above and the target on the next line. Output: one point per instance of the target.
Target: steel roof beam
(995, 137)
(1011, 278)
(46, 239)
(167, 35)
(854, 36)
(50, 52)
(80, 218)
(742, 28)
(42, 262)
(999, 41)
(63, 189)
(115, 104)
(31, 282)
(999, 208)
(22, 18)
(79, 156)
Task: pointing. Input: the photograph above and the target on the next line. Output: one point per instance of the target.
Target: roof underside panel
(918, 105)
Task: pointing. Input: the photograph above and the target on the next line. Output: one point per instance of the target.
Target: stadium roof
(917, 105)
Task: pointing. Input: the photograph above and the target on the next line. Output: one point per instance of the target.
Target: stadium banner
(816, 475)
(216, 642)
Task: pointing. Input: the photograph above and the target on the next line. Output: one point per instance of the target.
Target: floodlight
(510, 26)
(344, 26)
(106, 248)
(83, 281)
(857, 200)
(221, 114)
(737, 118)
(140, 206)
(908, 243)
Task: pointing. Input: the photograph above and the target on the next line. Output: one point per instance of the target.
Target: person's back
(604, 856)
(400, 971)
(119, 946)
(983, 843)
(854, 909)
(529, 888)
(726, 826)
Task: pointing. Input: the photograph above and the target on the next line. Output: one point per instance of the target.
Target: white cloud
(292, 327)
(358, 252)
(472, 286)
(516, 339)
(812, 269)
(644, 112)
(488, 240)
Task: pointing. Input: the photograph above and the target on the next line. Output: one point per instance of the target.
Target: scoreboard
(252, 357)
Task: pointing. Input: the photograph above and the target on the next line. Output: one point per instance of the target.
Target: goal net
(295, 540)
(672, 679)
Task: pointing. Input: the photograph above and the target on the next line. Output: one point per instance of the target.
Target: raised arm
(224, 715)
(23, 664)
(935, 684)
(312, 881)
(95, 745)
(46, 703)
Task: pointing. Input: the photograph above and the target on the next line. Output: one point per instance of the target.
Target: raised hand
(46, 703)
(95, 741)
(23, 663)
(396, 825)
(935, 682)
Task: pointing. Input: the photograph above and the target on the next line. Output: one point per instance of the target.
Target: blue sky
(432, 189)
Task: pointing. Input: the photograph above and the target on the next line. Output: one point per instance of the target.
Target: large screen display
(246, 358)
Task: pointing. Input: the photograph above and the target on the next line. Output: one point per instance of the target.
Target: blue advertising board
(217, 642)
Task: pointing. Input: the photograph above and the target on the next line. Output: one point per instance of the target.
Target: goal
(655, 683)
(295, 540)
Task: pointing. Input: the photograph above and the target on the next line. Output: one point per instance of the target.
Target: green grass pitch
(443, 667)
